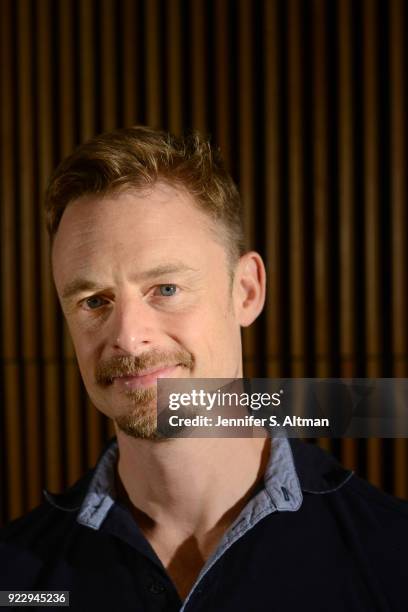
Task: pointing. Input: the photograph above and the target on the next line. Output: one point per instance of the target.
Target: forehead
(140, 228)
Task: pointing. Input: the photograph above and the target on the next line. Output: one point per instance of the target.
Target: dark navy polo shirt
(314, 536)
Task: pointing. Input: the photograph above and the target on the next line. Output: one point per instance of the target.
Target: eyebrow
(80, 285)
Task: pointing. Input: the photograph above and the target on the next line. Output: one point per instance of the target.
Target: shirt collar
(293, 467)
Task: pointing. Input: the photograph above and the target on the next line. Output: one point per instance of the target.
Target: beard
(139, 420)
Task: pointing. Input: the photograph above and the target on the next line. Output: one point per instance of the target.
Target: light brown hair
(137, 157)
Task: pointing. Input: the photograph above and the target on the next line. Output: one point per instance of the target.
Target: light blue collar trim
(101, 492)
(282, 491)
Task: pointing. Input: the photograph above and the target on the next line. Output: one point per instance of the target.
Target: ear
(249, 288)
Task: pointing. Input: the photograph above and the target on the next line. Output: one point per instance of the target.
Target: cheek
(85, 349)
(210, 333)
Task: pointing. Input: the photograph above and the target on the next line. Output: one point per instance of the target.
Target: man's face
(145, 286)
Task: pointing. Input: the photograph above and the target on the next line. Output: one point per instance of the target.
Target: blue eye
(95, 302)
(167, 290)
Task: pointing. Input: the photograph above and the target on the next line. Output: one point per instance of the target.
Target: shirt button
(156, 588)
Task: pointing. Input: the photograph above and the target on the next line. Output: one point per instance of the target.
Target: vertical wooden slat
(272, 188)
(198, 66)
(174, 67)
(73, 423)
(111, 429)
(399, 222)
(8, 121)
(153, 64)
(346, 208)
(398, 189)
(222, 78)
(53, 417)
(247, 154)
(246, 108)
(30, 312)
(320, 196)
(66, 124)
(320, 189)
(296, 189)
(371, 210)
(14, 440)
(108, 65)
(87, 69)
(45, 160)
(131, 62)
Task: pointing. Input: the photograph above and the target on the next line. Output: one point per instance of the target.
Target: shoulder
(365, 526)
(42, 524)
(54, 508)
(386, 509)
(321, 474)
(368, 521)
(28, 543)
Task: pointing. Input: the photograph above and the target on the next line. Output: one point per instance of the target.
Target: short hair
(138, 157)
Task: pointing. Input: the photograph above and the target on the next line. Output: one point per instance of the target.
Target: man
(154, 283)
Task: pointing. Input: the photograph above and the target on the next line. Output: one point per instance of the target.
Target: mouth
(146, 378)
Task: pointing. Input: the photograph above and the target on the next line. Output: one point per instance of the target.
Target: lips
(146, 378)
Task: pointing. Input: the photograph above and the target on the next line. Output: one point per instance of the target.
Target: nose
(133, 326)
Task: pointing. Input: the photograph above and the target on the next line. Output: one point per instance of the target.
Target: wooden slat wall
(307, 101)
(399, 218)
(346, 207)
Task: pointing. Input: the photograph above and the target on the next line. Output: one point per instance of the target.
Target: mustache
(134, 365)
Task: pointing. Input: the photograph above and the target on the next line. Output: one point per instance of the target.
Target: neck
(190, 484)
